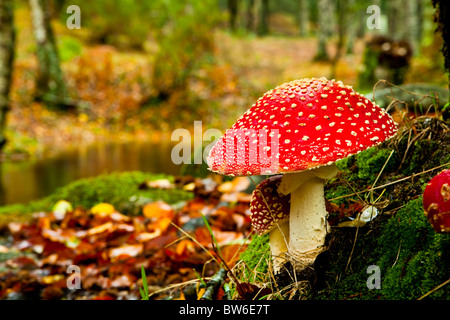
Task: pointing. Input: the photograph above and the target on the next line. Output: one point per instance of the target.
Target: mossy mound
(412, 260)
(119, 189)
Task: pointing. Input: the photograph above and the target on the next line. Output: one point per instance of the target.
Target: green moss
(364, 167)
(119, 189)
(371, 162)
(426, 154)
(412, 258)
(256, 257)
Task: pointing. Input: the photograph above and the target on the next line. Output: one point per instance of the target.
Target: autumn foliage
(173, 243)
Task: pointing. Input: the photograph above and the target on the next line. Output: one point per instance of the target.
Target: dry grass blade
(391, 183)
(434, 289)
(434, 96)
(196, 242)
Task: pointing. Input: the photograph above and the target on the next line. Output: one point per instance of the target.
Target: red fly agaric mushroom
(311, 124)
(270, 214)
(436, 202)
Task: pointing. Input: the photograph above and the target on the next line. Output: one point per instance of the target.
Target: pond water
(24, 181)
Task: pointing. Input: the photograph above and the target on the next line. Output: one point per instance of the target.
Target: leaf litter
(170, 244)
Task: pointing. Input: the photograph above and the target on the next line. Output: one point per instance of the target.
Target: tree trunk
(303, 18)
(442, 17)
(398, 19)
(325, 21)
(250, 23)
(413, 23)
(233, 13)
(264, 21)
(50, 85)
(342, 27)
(7, 41)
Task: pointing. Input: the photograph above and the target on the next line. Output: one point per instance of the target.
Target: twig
(353, 247)
(434, 289)
(391, 183)
(214, 284)
(379, 174)
(176, 285)
(398, 253)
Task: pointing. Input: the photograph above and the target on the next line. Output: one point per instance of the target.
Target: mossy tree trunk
(303, 18)
(441, 18)
(7, 41)
(50, 84)
(263, 27)
(250, 16)
(325, 25)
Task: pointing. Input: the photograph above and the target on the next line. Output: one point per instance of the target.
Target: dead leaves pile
(172, 242)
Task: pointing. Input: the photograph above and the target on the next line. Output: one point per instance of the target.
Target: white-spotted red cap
(300, 125)
(436, 202)
(267, 206)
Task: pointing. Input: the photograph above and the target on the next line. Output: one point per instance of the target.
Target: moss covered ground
(119, 189)
(412, 261)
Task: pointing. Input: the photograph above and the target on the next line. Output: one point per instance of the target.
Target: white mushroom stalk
(308, 215)
(279, 241)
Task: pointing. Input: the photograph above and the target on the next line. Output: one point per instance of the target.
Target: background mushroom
(270, 214)
(436, 202)
(311, 124)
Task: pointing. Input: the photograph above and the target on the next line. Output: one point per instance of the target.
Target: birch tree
(50, 84)
(7, 41)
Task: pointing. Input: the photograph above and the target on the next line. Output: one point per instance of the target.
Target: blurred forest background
(136, 70)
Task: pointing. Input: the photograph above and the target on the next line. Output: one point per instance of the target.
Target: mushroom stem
(279, 240)
(307, 217)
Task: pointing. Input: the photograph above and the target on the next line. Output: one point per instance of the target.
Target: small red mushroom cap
(267, 206)
(300, 125)
(436, 202)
